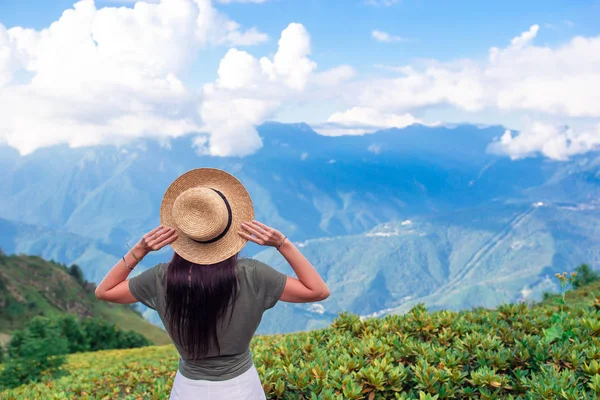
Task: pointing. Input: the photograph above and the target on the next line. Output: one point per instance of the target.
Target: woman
(211, 302)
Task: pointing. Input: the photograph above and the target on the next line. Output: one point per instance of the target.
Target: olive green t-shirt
(260, 287)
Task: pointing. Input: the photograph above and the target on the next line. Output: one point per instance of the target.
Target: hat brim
(242, 210)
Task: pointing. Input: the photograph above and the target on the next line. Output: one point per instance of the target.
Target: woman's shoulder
(246, 262)
(250, 264)
(257, 270)
(161, 269)
(248, 267)
(245, 265)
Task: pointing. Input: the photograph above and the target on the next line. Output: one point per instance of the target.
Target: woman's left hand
(155, 240)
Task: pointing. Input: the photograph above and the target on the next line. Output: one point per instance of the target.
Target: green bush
(37, 350)
(547, 295)
(93, 334)
(104, 336)
(40, 348)
(74, 333)
(585, 276)
(520, 351)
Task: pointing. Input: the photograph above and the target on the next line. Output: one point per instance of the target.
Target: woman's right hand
(309, 286)
(262, 234)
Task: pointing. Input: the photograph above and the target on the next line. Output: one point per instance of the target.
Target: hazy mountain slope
(30, 286)
(65, 247)
(481, 257)
(85, 205)
(309, 184)
(306, 184)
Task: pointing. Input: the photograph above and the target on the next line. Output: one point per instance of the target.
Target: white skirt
(244, 387)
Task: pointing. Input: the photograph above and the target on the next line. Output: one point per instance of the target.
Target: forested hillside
(31, 286)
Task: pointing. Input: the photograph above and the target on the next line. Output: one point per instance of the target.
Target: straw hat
(207, 207)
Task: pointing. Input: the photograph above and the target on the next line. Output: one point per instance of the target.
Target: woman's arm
(114, 287)
(309, 286)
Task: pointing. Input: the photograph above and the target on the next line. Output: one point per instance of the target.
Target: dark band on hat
(230, 217)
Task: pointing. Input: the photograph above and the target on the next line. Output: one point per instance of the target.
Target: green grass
(31, 286)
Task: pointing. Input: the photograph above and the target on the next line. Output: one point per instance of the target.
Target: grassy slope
(580, 297)
(30, 286)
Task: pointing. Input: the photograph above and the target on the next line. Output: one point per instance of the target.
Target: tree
(585, 275)
(76, 272)
(103, 336)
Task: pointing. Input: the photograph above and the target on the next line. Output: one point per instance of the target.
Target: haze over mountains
(390, 219)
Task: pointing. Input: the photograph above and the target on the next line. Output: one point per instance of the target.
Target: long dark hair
(198, 297)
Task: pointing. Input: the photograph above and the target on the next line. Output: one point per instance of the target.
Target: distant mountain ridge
(339, 185)
(85, 205)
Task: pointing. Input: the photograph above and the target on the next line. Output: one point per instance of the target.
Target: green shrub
(40, 348)
(74, 333)
(37, 350)
(549, 350)
(585, 275)
(104, 336)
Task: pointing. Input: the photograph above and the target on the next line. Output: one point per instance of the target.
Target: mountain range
(392, 218)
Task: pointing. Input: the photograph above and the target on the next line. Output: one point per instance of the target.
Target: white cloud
(239, 69)
(381, 3)
(385, 37)
(291, 63)
(525, 37)
(108, 75)
(552, 83)
(217, 29)
(241, 1)
(560, 81)
(371, 117)
(361, 120)
(105, 75)
(558, 143)
(127, 1)
(248, 91)
(334, 76)
(158, 1)
(457, 86)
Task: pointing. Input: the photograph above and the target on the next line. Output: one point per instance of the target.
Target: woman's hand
(262, 234)
(309, 286)
(115, 287)
(154, 240)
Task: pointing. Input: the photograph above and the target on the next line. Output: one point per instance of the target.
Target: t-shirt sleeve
(144, 287)
(268, 283)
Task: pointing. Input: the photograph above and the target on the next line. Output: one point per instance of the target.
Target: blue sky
(446, 45)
